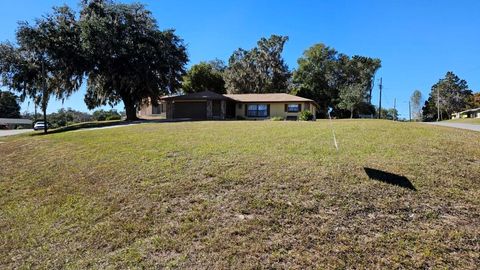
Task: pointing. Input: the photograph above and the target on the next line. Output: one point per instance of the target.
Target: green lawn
(475, 121)
(241, 195)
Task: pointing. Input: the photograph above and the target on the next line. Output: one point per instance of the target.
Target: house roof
(17, 121)
(271, 97)
(471, 110)
(204, 95)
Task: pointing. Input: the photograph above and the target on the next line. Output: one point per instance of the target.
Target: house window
(157, 109)
(257, 110)
(293, 108)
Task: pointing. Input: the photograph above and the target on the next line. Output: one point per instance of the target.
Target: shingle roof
(197, 96)
(271, 97)
(471, 110)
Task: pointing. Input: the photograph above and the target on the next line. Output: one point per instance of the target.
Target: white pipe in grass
(333, 130)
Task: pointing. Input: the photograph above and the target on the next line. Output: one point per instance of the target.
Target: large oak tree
(451, 93)
(205, 76)
(47, 59)
(259, 70)
(322, 72)
(130, 59)
(9, 107)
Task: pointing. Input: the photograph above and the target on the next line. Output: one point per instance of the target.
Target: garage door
(193, 110)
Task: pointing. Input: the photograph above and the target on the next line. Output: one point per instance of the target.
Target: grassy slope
(241, 194)
(475, 121)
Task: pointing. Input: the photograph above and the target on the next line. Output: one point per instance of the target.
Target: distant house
(472, 113)
(209, 105)
(14, 123)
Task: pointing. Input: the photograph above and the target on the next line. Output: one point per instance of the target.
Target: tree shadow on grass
(103, 124)
(84, 125)
(389, 178)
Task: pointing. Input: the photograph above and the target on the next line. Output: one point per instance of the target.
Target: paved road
(456, 125)
(4, 133)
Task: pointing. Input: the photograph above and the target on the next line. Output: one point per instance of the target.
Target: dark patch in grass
(389, 178)
(100, 124)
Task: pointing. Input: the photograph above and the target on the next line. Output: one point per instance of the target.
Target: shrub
(240, 117)
(101, 115)
(277, 118)
(305, 116)
(114, 117)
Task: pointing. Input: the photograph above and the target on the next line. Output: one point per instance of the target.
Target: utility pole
(438, 104)
(380, 100)
(394, 109)
(410, 110)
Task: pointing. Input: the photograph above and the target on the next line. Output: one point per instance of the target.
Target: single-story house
(472, 113)
(208, 105)
(14, 123)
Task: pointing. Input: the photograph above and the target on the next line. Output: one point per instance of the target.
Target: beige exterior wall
(276, 109)
(147, 111)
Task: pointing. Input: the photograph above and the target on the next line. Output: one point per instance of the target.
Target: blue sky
(417, 41)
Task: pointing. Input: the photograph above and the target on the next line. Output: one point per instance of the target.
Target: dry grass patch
(241, 195)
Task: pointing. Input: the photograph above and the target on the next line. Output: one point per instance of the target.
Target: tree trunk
(45, 124)
(351, 114)
(130, 110)
(35, 116)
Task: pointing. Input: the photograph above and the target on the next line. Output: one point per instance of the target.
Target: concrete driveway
(10, 132)
(455, 125)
